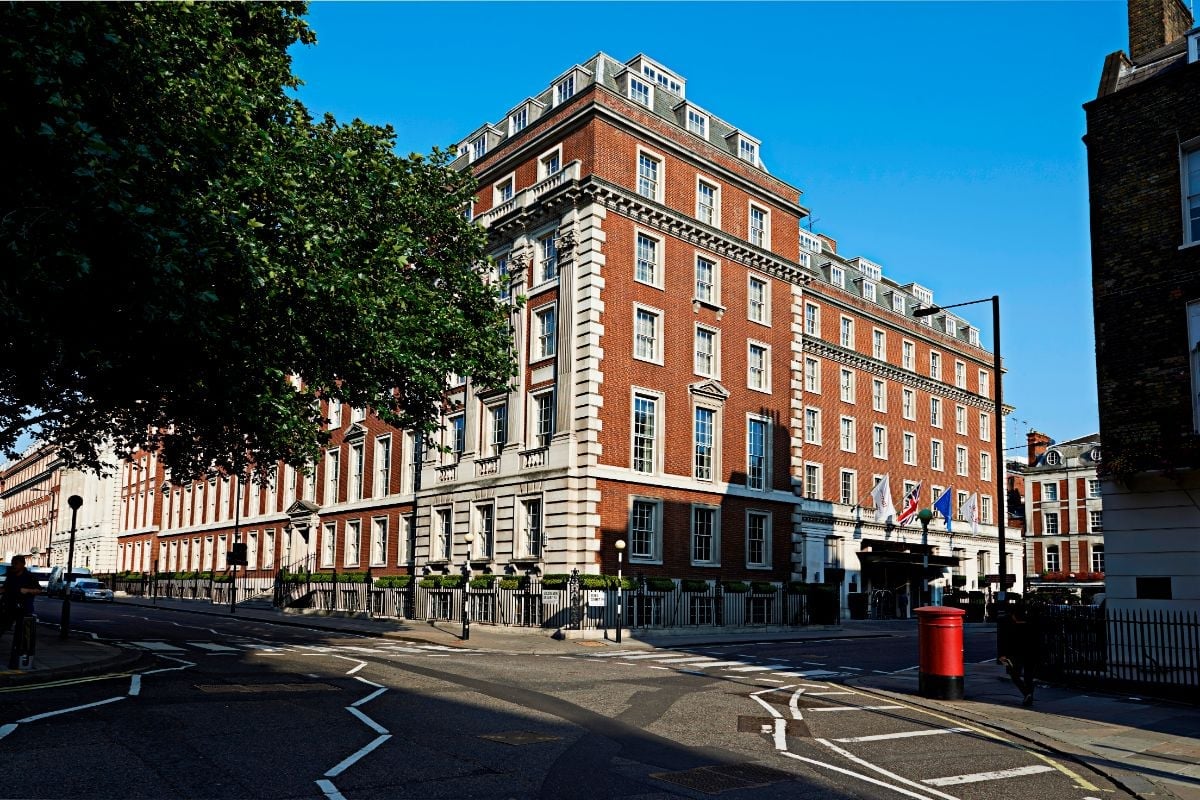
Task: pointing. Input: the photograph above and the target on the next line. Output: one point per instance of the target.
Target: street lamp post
(924, 515)
(64, 623)
(237, 530)
(998, 431)
(466, 607)
(620, 611)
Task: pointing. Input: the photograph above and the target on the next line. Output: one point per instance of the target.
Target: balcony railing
(531, 459)
(531, 195)
(447, 472)
(487, 466)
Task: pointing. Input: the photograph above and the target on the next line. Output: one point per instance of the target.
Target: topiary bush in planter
(694, 585)
(797, 587)
(660, 585)
(555, 580)
(394, 582)
(513, 582)
(483, 582)
(450, 582)
(735, 587)
(763, 587)
(429, 582)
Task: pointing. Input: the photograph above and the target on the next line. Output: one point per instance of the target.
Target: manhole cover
(755, 724)
(517, 738)
(714, 780)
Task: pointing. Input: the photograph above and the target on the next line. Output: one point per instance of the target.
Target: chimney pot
(1154, 23)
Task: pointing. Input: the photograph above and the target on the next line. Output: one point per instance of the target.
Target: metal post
(620, 611)
(237, 521)
(64, 625)
(466, 606)
(1001, 518)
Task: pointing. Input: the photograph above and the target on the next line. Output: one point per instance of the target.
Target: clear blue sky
(941, 140)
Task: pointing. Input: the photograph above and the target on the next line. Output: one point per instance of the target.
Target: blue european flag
(942, 506)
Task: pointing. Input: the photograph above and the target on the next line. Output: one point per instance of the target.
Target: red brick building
(679, 329)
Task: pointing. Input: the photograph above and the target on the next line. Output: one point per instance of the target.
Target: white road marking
(902, 735)
(857, 708)
(48, 714)
(370, 723)
(858, 775)
(852, 669)
(5, 730)
(369, 697)
(994, 775)
(750, 668)
(353, 759)
(643, 656)
(721, 664)
(780, 736)
(683, 660)
(367, 682)
(216, 648)
(768, 680)
(615, 653)
(794, 703)
(330, 790)
(770, 708)
(158, 646)
(898, 778)
(822, 694)
(135, 685)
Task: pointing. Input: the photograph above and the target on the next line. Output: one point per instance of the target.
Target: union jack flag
(909, 509)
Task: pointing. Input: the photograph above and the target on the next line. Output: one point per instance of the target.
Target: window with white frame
(812, 481)
(951, 325)
(353, 543)
(706, 280)
(758, 539)
(457, 434)
(907, 354)
(544, 325)
(640, 92)
(649, 176)
(547, 251)
(383, 466)
(403, 534)
(960, 460)
(503, 190)
(706, 536)
(332, 466)
(705, 363)
(1191, 190)
(973, 337)
(485, 530)
(879, 447)
(564, 89)
(878, 345)
(518, 120)
(898, 302)
(497, 427)
(879, 394)
(868, 291)
(645, 433)
(935, 412)
(708, 203)
(1050, 491)
(747, 150)
(908, 403)
(647, 342)
(985, 511)
(837, 276)
(759, 231)
(935, 365)
(985, 467)
(543, 418)
(984, 383)
(848, 487)
(847, 439)
(697, 123)
(443, 534)
(704, 438)
(812, 375)
(910, 448)
(531, 527)
(645, 530)
(251, 551)
(354, 487)
(1097, 553)
(812, 320)
(379, 535)
(759, 302)
(985, 426)
(646, 262)
(847, 333)
(812, 425)
(935, 455)
(758, 375)
(846, 384)
(1093, 487)
(960, 374)
(550, 163)
(960, 420)
(479, 148)
(757, 462)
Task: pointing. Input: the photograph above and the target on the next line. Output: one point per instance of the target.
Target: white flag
(882, 495)
(970, 511)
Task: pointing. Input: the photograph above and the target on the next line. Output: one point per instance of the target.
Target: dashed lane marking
(995, 775)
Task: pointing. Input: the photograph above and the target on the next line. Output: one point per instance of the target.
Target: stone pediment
(302, 508)
(710, 388)
(356, 432)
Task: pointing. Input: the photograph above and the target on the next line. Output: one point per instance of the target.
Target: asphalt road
(236, 708)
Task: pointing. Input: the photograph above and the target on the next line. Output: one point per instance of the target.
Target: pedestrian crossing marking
(750, 668)
(214, 647)
(160, 646)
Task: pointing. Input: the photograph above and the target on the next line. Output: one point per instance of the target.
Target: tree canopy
(182, 240)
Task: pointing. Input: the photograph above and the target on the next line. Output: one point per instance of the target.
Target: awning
(889, 558)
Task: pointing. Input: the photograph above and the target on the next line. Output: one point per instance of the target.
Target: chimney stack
(1154, 23)
(1037, 443)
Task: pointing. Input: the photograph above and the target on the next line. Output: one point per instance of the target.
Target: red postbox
(940, 641)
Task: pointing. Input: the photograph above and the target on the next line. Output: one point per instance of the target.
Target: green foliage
(763, 587)
(735, 587)
(513, 582)
(797, 587)
(394, 582)
(483, 581)
(694, 585)
(450, 582)
(428, 582)
(181, 238)
(660, 585)
(555, 580)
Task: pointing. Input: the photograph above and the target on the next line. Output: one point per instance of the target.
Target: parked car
(60, 580)
(90, 589)
(43, 576)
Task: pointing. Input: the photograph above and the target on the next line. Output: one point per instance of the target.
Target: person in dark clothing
(902, 602)
(16, 603)
(1019, 647)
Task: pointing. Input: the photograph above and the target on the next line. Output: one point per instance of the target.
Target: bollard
(940, 642)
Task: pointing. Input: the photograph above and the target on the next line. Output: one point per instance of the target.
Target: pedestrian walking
(902, 602)
(16, 605)
(1019, 650)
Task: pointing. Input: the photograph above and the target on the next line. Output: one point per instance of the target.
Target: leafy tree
(181, 241)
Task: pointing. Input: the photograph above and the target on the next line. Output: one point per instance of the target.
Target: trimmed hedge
(763, 587)
(735, 587)
(394, 582)
(483, 582)
(694, 585)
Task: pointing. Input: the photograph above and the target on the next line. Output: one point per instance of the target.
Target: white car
(90, 589)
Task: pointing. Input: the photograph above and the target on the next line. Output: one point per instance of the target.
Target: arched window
(1053, 458)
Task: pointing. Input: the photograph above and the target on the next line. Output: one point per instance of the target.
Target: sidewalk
(1151, 748)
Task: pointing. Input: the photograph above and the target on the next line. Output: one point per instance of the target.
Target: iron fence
(1121, 649)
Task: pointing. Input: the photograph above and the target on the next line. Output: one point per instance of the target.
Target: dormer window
(810, 242)
(478, 148)
(640, 92)
(518, 120)
(747, 150)
(657, 75)
(1194, 46)
(897, 302)
(973, 337)
(1054, 458)
(697, 123)
(868, 290)
(564, 89)
(951, 325)
(837, 276)
(869, 269)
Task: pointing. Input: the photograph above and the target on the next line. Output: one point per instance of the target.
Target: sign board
(1009, 579)
(595, 598)
(232, 559)
(553, 596)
